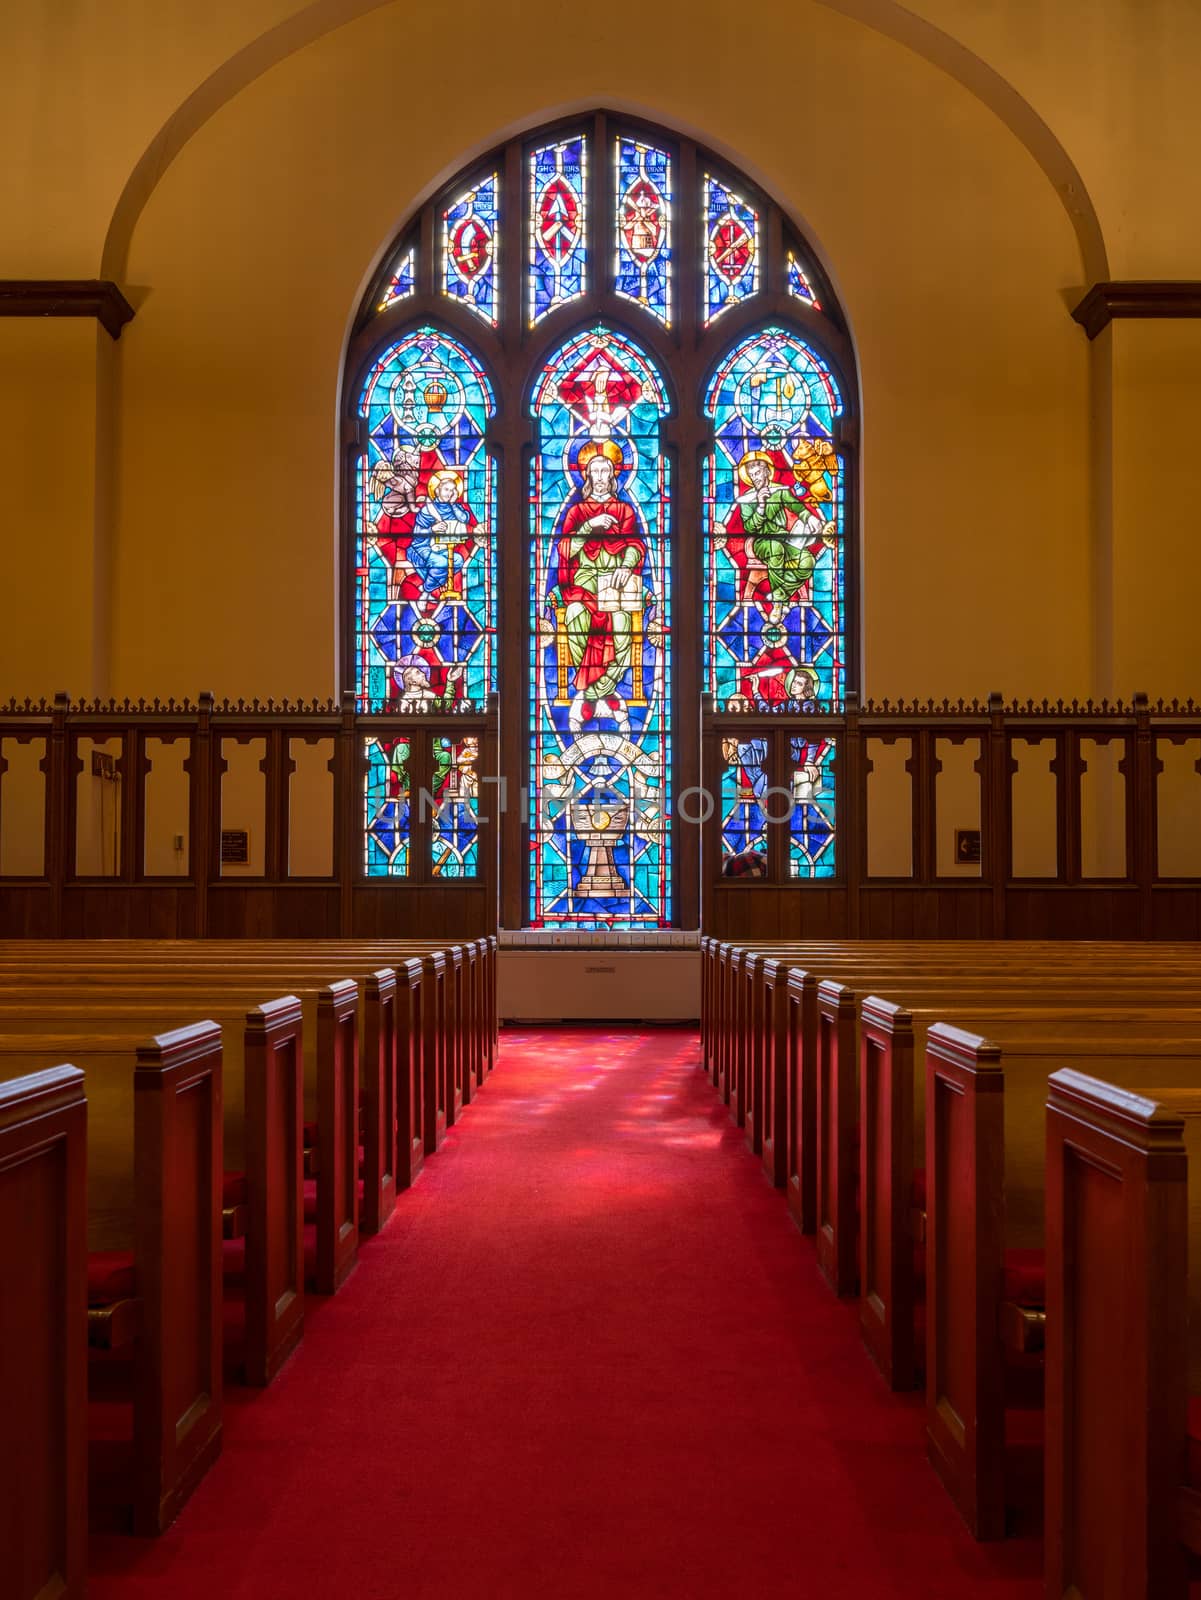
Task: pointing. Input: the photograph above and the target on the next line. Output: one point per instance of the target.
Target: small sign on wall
(235, 847)
(967, 847)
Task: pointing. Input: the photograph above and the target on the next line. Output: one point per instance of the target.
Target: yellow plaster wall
(1157, 521)
(947, 244)
(47, 504)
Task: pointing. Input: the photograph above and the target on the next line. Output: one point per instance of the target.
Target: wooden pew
(153, 1318)
(1123, 1357)
(984, 1177)
(43, 1331)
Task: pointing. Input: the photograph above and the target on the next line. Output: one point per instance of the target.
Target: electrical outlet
(103, 766)
(178, 842)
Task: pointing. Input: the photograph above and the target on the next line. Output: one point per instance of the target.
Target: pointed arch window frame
(513, 354)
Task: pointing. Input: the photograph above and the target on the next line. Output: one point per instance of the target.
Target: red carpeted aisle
(589, 1356)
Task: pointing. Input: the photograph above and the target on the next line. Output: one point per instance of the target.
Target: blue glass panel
(469, 249)
(600, 757)
(775, 622)
(456, 816)
(558, 220)
(402, 282)
(798, 283)
(811, 841)
(744, 784)
(644, 264)
(386, 808)
(425, 610)
(731, 248)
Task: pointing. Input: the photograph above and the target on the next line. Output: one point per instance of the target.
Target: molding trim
(66, 297)
(1137, 298)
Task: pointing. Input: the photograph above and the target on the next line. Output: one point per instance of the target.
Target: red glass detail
(470, 247)
(642, 220)
(599, 389)
(558, 218)
(731, 246)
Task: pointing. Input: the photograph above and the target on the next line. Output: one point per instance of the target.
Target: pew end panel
(410, 1129)
(43, 1394)
(378, 1064)
(965, 1242)
(774, 1097)
(801, 1071)
(178, 1374)
(274, 1059)
(837, 1114)
(1122, 1234)
(338, 1134)
(887, 1246)
(434, 1023)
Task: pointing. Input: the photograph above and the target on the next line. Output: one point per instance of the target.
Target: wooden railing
(1087, 820)
(1060, 855)
(110, 856)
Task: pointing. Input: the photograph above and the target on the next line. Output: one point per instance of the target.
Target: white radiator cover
(598, 985)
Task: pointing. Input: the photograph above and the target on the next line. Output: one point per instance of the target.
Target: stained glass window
(811, 843)
(798, 283)
(584, 664)
(558, 218)
(456, 801)
(731, 248)
(775, 614)
(600, 753)
(644, 263)
(386, 807)
(425, 603)
(745, 780)
(402, 282)
(469, 239)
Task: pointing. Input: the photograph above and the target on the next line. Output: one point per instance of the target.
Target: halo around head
(607, 448)
(441, 476)
(744, 466)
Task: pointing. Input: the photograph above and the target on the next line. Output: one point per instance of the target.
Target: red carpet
(589, 1356)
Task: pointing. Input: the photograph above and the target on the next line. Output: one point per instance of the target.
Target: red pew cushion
(234, 1189)
(1026, 1277)
(310, 1133)
(310, 1199)
(110, 1276)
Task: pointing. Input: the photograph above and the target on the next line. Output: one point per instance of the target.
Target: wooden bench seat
(43, 1331)
(154, 1150)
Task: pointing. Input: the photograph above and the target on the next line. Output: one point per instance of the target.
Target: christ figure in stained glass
(599, 595)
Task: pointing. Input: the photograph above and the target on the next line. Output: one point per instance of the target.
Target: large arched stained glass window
(602, 403)
(600, 756)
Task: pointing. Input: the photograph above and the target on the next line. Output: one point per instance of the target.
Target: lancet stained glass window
(775, 613)
(425, 574)
(745, 780)
(625, 587)
(600, 745)
(403, 281)
(644, 264)
(558, 219)
(798, 283)
(456, 800)
(469, 238)
(386, 807)
(811, 842)
(731, 248)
